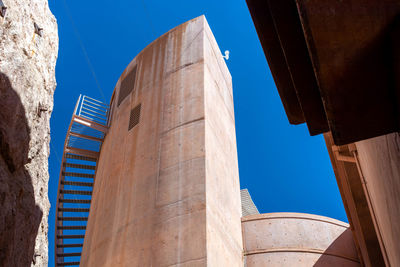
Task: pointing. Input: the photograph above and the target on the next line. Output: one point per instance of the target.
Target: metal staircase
(85, 135)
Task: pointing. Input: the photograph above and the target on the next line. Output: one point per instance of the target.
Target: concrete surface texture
(27, 84)
(379, 160)
(356, 202)
(167, 190)
(296, 239)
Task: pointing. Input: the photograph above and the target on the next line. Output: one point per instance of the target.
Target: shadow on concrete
(20, 217)
(339, 252)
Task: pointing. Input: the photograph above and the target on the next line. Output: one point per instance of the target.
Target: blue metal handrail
(92, 109)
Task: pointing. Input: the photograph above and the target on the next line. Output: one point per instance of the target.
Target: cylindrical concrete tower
(297, 239)
(166, 190)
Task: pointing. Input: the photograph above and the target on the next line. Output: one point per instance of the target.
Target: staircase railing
(92, 109)
(83, 141)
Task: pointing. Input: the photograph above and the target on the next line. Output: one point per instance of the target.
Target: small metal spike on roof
(3, 9)
(38, 30)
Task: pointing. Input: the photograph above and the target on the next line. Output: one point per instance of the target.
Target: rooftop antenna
(226, 55)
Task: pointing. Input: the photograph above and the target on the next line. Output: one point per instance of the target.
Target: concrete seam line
(181, 125)
(304, 250)
(294, 217)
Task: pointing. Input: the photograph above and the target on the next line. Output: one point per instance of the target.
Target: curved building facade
(152, 178)
(297, 239)
(171, 139)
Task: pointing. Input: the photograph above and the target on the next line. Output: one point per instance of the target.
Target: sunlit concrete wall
(296, 239)
(368, 175)
(167, 191)
(379, 160)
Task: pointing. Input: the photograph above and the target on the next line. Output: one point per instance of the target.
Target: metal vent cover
(135, 117)
(127, 85)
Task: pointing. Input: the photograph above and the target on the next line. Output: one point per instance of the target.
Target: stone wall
(27, 84)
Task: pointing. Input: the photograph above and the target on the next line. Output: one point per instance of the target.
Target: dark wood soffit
(276, 60)
(291, 37)
(352, 60)
(351, 46)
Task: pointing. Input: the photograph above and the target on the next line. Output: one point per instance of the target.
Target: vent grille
(127, 85)
(135, 117)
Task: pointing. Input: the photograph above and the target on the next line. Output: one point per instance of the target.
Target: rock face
(27, 83)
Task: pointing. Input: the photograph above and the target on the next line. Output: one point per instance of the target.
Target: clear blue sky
(282, 166)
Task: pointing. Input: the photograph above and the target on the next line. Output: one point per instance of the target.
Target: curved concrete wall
(149, 205)
(296, 239)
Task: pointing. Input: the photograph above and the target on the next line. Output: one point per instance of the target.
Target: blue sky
(282, 166)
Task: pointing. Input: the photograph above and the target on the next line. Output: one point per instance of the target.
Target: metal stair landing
(85, 135)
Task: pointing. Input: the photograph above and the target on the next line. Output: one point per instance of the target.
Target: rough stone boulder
(28, 53)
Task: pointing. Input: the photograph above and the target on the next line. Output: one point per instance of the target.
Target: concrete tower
(163, 174)
(167, 188)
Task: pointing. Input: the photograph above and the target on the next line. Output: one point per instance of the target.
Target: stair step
(73, 210)
(69, 245)
(82, 152)
(76, 192)
(72, 218)
(90, 123)
(70, 236)
(72, 263)
(88, 137)
(72, 227)
(77, 183)
(81, 201)
(72, 156)
(80, 166)
(77, 254)
(76, 174)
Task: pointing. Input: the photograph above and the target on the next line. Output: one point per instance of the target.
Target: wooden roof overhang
(336, 64)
